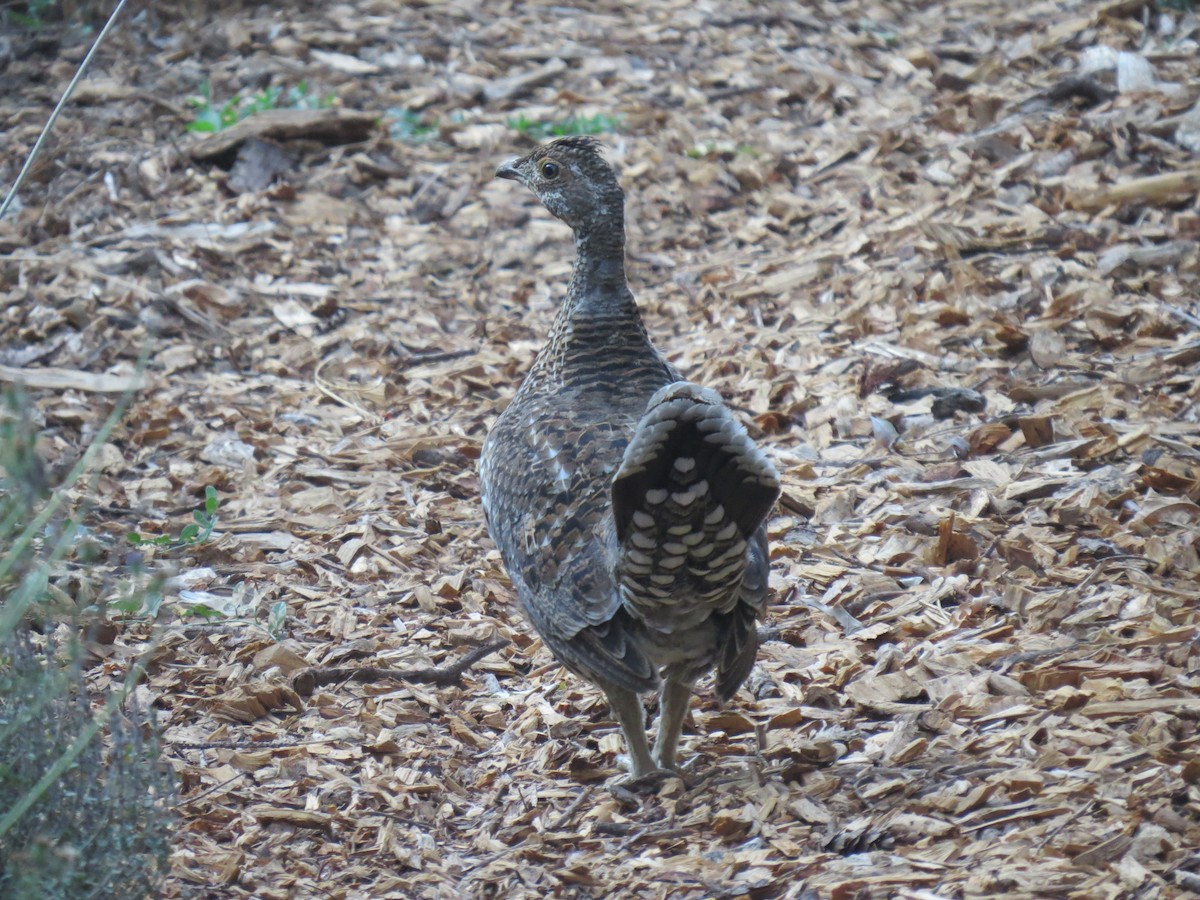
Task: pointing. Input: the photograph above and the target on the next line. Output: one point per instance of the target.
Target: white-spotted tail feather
(691, 491)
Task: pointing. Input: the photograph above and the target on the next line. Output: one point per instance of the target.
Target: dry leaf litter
(941, 257)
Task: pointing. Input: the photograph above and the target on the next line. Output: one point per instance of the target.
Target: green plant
(36, 13)
(211, 116)
(85, 798)
(601, 123)
(408, 125)
(97, 820)
(877, 30)
(195, 532)
(37, 535)
(24, 478)
(137, 597)
(276, 619)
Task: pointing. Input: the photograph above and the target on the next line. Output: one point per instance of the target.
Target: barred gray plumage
(628, 505)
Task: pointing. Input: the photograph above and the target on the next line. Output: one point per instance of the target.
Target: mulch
(942, 258)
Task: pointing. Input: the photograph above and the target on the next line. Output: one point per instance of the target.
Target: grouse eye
(549, 169)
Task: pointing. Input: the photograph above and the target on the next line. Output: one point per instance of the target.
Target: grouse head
(573, 182)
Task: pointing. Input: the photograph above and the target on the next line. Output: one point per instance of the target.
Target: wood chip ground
(942, 257)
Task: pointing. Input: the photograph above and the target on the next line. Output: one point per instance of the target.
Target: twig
(848, 622)
(1004, 663)
(62, 102)
(304, 681)
(211, 790)
(1151, 189)
(1182, 315)
(249, 745)
(72, 379)
(569, 812)
(870, 462)
(437, 356)
(636, 831)
(1053, 832)
(326, 389)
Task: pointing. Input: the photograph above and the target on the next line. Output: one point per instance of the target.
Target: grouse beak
(509, 170)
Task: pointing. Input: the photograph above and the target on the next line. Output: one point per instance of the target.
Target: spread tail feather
(691, 491)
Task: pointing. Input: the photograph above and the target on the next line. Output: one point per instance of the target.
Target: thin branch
(636, 831)
(848, 622)
(1182, 315)
(248, 744)
(211, 790)
(306, 680)
(569, 813)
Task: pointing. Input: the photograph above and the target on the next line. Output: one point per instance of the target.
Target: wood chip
(943, 270)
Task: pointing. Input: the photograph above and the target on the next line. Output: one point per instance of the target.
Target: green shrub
(32, 14)
(102, 827)
(410, 126)
(212, 116)
(85, 798)
(602, 123)
(195, 532)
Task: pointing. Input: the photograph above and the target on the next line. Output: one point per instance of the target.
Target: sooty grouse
(628, 504)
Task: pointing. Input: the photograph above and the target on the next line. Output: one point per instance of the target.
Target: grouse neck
(598, 285)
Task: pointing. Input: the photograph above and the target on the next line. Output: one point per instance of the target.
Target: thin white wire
(16, 185)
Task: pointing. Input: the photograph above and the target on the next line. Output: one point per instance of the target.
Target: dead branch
(1151, 189)
(637, 831)
(328, 126)
(306, 681)
(569, 813)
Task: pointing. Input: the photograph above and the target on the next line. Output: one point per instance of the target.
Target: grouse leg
(627, 707)
(674, 702)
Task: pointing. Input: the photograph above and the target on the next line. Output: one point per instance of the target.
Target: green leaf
(208, 118)
(277, 618)
(229, 113)
(188, 535)
(211, 500)
(152, 601)
(139, 540)
(407, 125)
(129, 605)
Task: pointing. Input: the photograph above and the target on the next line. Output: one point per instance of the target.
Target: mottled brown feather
(601, 423)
